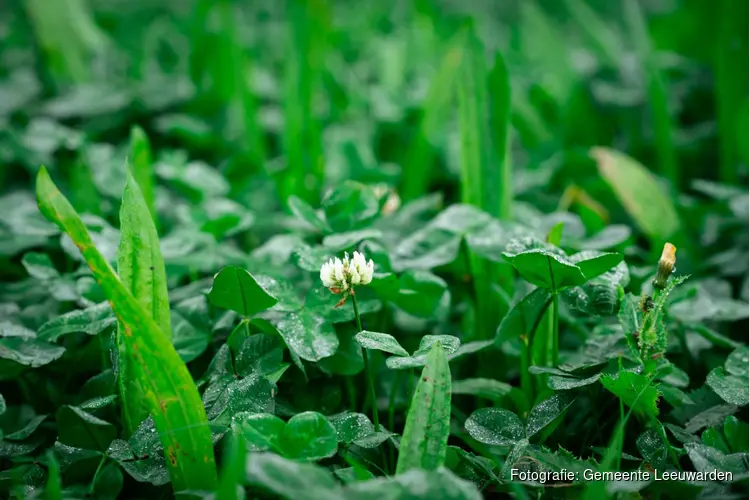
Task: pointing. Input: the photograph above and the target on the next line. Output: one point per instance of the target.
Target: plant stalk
(370, 382)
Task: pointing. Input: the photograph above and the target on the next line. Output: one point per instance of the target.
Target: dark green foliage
(512, 169)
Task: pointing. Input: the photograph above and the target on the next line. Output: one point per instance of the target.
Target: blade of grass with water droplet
(173, 399)
(424, 444)
(140, 267)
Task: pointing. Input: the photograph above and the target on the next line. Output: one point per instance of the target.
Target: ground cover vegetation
(373, 250)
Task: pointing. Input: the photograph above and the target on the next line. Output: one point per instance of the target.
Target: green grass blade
(473, 123)
(500, 192)
(53, 488)
(301, 139)
(141, 270)
(658, 97)
(143, 171)
(173, 399)
(67, 35)
(419, 160)
(485, 165)
(731, 82)
(603, 38)
(424, 444)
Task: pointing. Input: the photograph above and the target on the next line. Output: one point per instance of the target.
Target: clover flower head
(343, 275)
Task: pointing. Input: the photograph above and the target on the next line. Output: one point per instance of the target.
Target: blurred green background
(254, 101)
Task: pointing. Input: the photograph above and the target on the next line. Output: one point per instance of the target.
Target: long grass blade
(173, 399)
(424, 444)
(301, 139)
(141, 270)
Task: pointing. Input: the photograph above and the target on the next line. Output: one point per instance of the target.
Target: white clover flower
(343, 275)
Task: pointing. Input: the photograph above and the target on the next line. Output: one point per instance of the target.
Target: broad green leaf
(92, 321)
(189, 340)
(707, 459)
(351, 426)
(731, 388)
(449, 343)
(645, 201)
(309, 436)
(593, 264)
(415, 484)
(736, 432)
(109, 482)
(262, 431)
(381, 342)
(420, 293)
(237, 290)
(288, 479)
(322, 302)
(140, 268)
(546, 412)
(737, 362)
(554, 236)
(373, 440)
(143, 171)
(495, 426)
(150, 469)
(347, 360)
(483, 387)
(731, 382)
(651, 447)
(27, 429)
(310, 337)
(608, 238)
(173, 399)
(424, 444)
(417, 360)
(341, 241)
(27, 352)
(353, 474)
(350, 205)
(312, 258)
(713, 437)
(547, 269)
(303, 211)
(427, 248)
(83, 430)
(525, 316)
(39, 266)
(635, 390)
(227, 398)
(515, 455)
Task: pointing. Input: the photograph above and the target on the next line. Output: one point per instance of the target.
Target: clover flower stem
(96, 474)
(555, 341)
(392, 409)
(370, 383)
(526, 383)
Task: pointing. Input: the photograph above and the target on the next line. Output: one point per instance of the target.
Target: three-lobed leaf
(381, 342)
(237, 290)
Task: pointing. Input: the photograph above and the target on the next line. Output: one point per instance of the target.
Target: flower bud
(665, 267)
